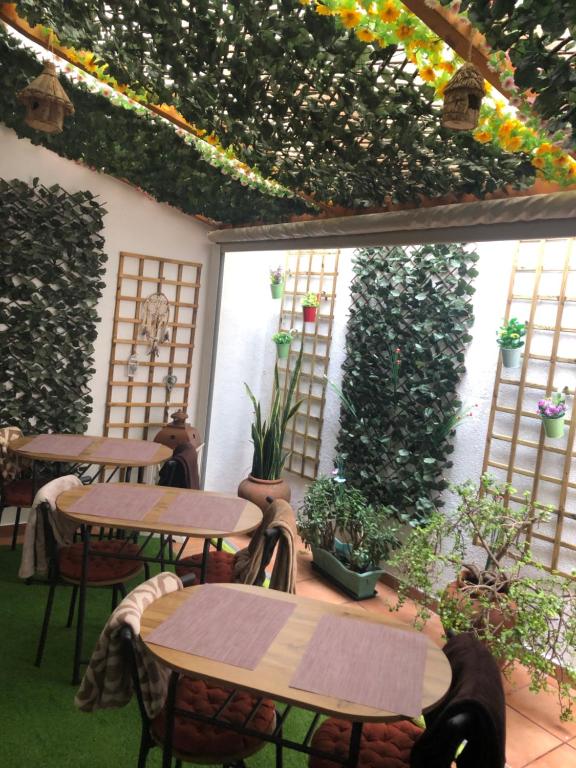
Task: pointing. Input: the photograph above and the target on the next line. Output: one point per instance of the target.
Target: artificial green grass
(39, 725)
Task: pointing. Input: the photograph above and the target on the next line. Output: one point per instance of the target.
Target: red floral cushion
(196, 742)
(219, 571)
(383, 745)
(100, 569)
(18, 493)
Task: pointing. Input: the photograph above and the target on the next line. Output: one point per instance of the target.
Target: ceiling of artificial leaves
(303, 101)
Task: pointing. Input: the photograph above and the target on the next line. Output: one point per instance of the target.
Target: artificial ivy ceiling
(287, 108)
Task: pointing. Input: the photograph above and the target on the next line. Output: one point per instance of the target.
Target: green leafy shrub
(409, 325)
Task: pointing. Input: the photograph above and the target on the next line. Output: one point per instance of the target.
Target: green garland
(294, 96)
(139, 148)
(52, 263)
(408, 329)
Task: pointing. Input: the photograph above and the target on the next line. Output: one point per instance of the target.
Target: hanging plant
(511, 340)
(310, 304)
(283, 340)
(277, 282)
(553, 412)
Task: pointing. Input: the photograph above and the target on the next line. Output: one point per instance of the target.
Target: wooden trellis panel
(542, 291)
(137, 406)
(307, 271)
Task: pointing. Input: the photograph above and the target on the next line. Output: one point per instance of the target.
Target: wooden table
(271, 678)
(249, 519)
(86, 455)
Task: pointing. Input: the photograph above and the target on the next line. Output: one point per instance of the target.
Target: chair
(15, 490)
(65, 567)
(225, 567)
(181, 471)
(472, 713)
(121, 665)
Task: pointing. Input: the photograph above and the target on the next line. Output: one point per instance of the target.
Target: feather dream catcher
(154, 319)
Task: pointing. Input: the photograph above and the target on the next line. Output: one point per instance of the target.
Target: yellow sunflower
(447, 66)
(323, 10)
(483, 136)
(389, 13)
(404, 31)
(427, 74)
(365, 35)
(350, 19)
(544, 148)
(538, 162)
(513, 144)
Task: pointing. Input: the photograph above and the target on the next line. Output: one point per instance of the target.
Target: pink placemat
(123, 501)
(139, 450)
(224, 625)
(210, 512)
(365, 663)
(71, 445)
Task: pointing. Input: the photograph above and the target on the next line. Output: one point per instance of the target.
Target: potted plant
(498, 590)
(283, 339)
(268, 438)
(553, 411)
(348, 536)
(510, 339)
(310, 304)
(277, 282)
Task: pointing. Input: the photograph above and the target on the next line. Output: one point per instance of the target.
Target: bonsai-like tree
(523, 613)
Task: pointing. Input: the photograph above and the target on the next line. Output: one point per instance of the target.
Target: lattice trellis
(542, 291)
(307, 271)
(135, 405)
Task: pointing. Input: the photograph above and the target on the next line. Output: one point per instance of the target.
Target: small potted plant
(510, 340)
(498, 591)
(553, 411)
(277, 282)
(348, 536)
(283, 339)
(310, 304)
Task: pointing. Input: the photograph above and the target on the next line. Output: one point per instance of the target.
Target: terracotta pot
(255, 490)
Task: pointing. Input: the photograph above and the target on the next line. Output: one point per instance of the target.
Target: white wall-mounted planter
(511, 358)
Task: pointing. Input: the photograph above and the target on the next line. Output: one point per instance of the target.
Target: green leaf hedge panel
(51, 279)
(144, 151)
(409, 325)
(294, 95)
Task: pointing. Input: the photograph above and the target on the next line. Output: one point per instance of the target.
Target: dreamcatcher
(154, 318)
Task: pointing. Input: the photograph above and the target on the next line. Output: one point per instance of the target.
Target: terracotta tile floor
(535, 736)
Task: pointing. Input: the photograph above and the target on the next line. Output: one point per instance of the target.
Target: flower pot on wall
(511, 358)
(554, 427)
(256, 490)
(360, 586)
(310, 314)
(283, 350)
(277, 290)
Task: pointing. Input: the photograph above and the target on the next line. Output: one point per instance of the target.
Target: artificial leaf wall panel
(52, 259)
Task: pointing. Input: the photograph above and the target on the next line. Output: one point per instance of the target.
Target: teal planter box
(360, 586)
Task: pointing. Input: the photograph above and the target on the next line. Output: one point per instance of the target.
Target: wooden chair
(471, 714)
(65, 567)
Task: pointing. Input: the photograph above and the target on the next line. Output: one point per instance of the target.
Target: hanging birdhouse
(462, 99)
(46, 102)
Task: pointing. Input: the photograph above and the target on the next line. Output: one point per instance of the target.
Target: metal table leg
(81, 607)
(355, 738)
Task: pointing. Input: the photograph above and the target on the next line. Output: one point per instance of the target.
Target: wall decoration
(138, 404)
(462, 99)
(46, 101)
(518, 449)
(409, 325)
(308, 272)
(50, 282)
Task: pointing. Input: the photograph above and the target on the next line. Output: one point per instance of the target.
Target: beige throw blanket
(107, 682)
(248, 561)
(34, 547)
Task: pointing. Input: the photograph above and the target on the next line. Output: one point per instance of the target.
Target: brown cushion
(100, 569)
(194, 741)
(383, 745)
(219, 571)
(18, 493)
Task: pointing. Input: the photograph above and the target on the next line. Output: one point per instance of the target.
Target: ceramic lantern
(462, 99)
(46, 102)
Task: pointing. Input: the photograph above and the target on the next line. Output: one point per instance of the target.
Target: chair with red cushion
(472, 713)
(15, 490)
(65, 567)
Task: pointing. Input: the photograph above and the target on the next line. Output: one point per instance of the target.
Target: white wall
(134, 223)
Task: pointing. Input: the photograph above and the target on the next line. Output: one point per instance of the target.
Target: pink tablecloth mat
(70, 445)
(217, 514)
(138, 450)
(224, 625)
(365, 663)
(123, 501)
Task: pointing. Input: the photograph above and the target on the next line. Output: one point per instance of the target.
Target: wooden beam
(458, 38)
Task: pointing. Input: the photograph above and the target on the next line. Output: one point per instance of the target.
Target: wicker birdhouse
(462, 99)
(46, 102)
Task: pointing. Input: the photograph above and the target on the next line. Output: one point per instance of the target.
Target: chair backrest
(181, 472)
(43, 511)
(271, 539)
(9, 466)
(473, 711)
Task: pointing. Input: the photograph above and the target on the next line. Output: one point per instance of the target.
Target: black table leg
(204, 565)
(168, 733)
(81, 607)
(127, 475)
(354, 753)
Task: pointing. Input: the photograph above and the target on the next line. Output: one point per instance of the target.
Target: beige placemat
(198, 511)
(126, 502)
(138, 450)
(71, 445)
